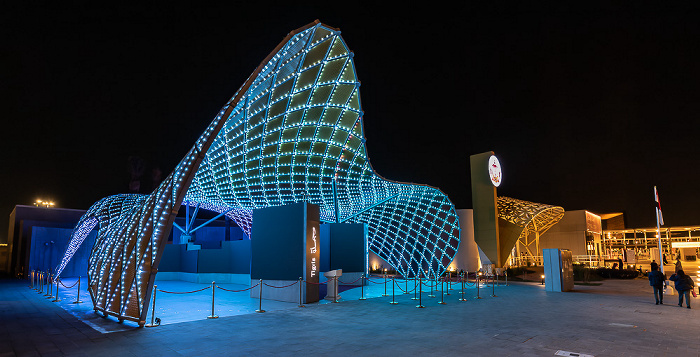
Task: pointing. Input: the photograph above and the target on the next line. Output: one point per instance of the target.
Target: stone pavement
(617, 318)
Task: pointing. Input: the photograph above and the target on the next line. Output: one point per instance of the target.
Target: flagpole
(658, 230)
(658, 236)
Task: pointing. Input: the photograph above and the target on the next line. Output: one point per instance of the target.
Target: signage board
(313, 251)
(495, 174)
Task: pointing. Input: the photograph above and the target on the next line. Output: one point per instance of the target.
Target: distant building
(580, 232)
(25, 223)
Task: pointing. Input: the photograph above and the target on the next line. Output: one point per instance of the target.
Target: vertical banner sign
(486, 176)
(312, 253)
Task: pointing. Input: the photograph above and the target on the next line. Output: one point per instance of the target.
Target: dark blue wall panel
(325, 247)
(233, 257)
(48, 245)
(239, 256)
(277, 242)
(170, 261)
(188, 261)
(348, 247)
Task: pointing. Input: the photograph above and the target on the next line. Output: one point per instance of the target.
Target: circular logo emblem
(495, 171)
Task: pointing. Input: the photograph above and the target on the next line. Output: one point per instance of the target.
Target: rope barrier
(280, 287)
(238, 291)
(466, 281)
(311, 282)
(350, 283)
(370, 280)
(406, 291)
(67, 287)
(429, 284)
(183, 292)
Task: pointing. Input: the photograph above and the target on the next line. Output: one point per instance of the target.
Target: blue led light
(290, 134)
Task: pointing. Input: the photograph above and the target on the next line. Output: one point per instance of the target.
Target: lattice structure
(292, 133)
(533, 218)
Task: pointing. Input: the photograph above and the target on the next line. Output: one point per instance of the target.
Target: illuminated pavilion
(292, 133)
(521, 223)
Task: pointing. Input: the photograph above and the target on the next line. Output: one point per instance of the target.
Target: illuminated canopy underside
(293, 132)
(519, 220)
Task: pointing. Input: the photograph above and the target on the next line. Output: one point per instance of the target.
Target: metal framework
(643, 239)
(533, 218)
(293, 132)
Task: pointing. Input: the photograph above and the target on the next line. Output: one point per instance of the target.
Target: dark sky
(587, 107)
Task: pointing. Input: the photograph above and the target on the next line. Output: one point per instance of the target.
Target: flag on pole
(658, 207)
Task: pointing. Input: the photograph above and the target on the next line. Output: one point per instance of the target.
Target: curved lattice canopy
(524, 219)
(531, 216)
(292, 133)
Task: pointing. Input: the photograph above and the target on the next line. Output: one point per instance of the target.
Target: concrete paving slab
(616, 318)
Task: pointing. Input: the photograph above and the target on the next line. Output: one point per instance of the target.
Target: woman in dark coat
(656, 280)
(683, 284)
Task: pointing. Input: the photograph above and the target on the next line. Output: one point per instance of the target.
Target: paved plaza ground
(617, 318)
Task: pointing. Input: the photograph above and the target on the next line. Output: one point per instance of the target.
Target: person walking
(656, 280)
(683, 284)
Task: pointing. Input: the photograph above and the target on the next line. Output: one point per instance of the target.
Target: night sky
(587, 107)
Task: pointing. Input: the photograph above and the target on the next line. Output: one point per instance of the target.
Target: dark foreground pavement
(618, 318)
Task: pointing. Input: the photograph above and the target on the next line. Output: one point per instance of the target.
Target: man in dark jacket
(656, 280)
(683, 284)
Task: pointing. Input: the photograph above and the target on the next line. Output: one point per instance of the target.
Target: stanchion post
(415, 289)
(393, 282)
(430, 282)
(213, 290)
(405, 278)
(260, 298)
(153, 307)
(57, 299)
(301, 303)
(449, 280)
(385, 294)
(493, 288)
(49, 286)
(442, 291)
(335, 290)
(506, 275)
(362, 287)
(77, 299)
(40, 283)
(420, 293)
(478, 277)
(461, 279)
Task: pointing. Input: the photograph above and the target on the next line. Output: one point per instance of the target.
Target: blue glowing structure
(292, 133)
